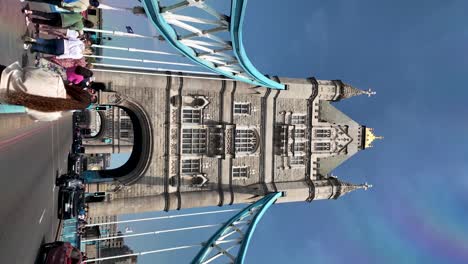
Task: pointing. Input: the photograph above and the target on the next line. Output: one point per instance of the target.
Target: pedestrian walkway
(12, 28)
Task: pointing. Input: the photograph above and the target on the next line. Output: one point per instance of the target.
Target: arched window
(246, 141)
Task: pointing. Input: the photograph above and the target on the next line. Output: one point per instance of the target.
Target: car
(78, 140)
(64, 179)
(77, 147)
(78, 117)
(71, 161)
(75, 163)
(60, 253)
(70, 179)
(70, 200)
(86, 131)
(77, 133)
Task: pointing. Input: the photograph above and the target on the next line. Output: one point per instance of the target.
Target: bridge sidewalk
(12, 28)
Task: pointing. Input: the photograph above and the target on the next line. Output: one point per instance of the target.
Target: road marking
(11, 141)
(42, 216)
(53, 188)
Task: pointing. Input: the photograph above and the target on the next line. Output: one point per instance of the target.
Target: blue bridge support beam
(232, 240)
(203, 44)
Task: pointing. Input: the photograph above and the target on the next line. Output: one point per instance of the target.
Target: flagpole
(164, 74)
(157, 232)
(139, 60)
(150, 69)
(121, 33)
(135, 50)
(164, 217)
(142, 253)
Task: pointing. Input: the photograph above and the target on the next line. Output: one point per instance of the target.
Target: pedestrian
(63, 20)
(98, 86)
(86, 83)
(42, 93)
(51, 66)
(68, 63)
(77, 6)
(62, 33)
(76, 75)
(62, 48)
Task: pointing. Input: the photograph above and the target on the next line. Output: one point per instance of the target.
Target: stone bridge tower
(213, 142)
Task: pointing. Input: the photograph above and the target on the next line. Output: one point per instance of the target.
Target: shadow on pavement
(39, 255)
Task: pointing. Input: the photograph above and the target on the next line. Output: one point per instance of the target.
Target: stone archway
(140, 158)
(102, 128)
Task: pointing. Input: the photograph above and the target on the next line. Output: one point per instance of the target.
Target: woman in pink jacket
(77, 74)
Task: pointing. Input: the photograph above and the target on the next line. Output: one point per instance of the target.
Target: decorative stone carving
(195, 101)
(114, 98)
(174, 115)
(174, 165)
(173, 148)
(229, 146)
(194, 181)
(176, 101)
(174, 134)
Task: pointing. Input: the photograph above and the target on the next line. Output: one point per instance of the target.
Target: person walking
(76, 75)
(64, 20)
(42, 93)
(68, 63)
(62, 48)
(77, 6)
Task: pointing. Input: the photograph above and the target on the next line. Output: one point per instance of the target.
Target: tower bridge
(204, 142)
(226, 137)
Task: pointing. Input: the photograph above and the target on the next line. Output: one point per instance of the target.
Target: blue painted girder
(237, 16)
(263, 205)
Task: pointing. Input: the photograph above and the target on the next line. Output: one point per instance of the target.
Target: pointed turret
(370, 137)
(348, 91)
(349, 187)
(336, 90)
(333, 188)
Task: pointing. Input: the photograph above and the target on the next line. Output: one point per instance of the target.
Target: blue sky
(413, 53)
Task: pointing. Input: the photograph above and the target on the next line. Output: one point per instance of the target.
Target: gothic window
(299, 133)
(246, 141)
(193, 141)
(296, 161)
(323, 133)
(125, 123)
(297, 119)
(190, 166)
(322, 146)
(124, 134)
(240, 172)
(241, 108)
(299, 147)
(284, 139)
(123, 112)
(191, 116)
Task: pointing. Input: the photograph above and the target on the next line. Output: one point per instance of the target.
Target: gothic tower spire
(349, 187)
(336, 90)
(370, 137)
(348, 91)
(333, 188)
